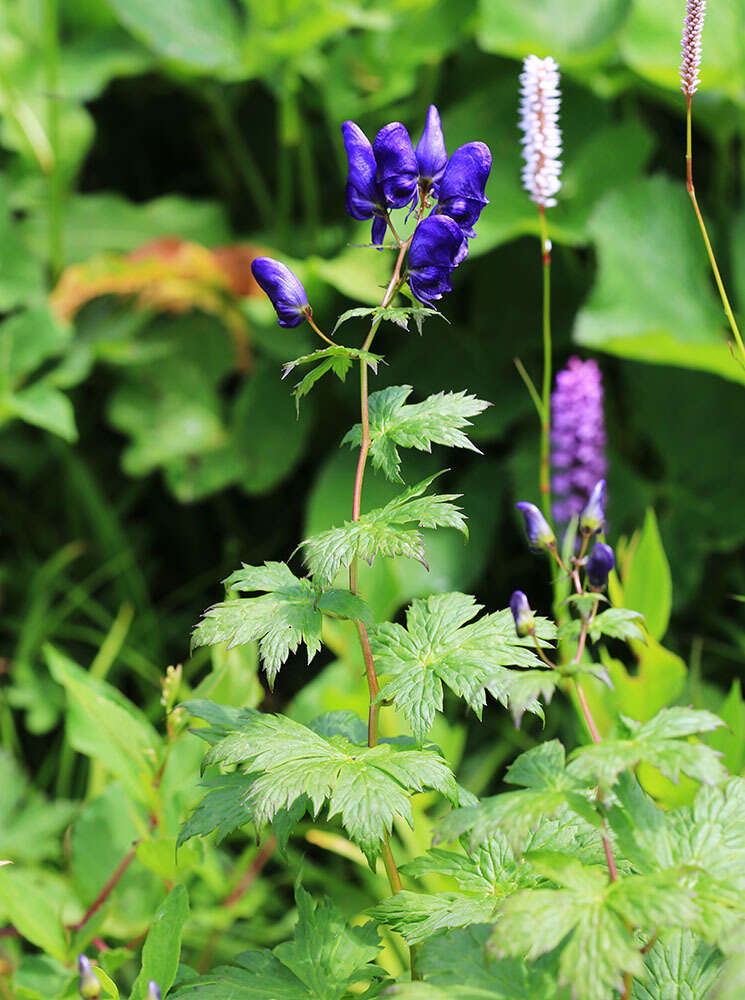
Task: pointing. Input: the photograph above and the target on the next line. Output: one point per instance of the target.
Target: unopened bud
(539, 531)
(89, 986)
(592, 518)
(153, 991)
(524, 621)
(599, 565)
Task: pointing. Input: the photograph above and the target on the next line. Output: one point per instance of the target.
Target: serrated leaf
(679, 965)
(439, 419)
(417, 916)
(287, 615)
(618, 623)
(658, 743)
(549, 787)
(365, 786)
(392, 530)
(337, 359)
(438, 647)
(322, 960)
(398, 315)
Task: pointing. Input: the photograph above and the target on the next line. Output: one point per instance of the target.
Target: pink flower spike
(690, 46)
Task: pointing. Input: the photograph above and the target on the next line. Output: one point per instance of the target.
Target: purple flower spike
(397, 168)
(285, 290)
(431, 154)
(88, 985)
(437, 248)
(462, 186)
(577, 437)
(592, 517)
(599, 565)
(153, 991)
(539, 531)
(364, 196)
(520, 608)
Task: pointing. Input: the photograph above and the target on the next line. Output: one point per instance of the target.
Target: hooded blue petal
(462, 186)
(398, 171)
(592, 517)
(431, 155)
(599, 565)
(284, 289)
(539, 531)
(436, 249)
(379, 227)
(364, 196)
(521, 613)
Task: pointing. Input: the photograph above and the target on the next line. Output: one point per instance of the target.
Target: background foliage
(148, 444)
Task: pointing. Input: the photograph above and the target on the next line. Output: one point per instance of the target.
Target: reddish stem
(106, 891)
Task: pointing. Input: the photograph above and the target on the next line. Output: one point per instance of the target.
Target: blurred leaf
(162, 948)
(160, 857)
(44, 406)
(29, 338)
(32, 826)
(680, 964)
(657, 681)
(730, 740)
(40, 977)
(652, 299)
(647, 583)
(28, 907)
(21, 274)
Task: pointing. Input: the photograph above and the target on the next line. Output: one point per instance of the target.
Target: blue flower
(89, 986)
(592, 517)
(462, 186)
(365, 198)
(599, 565)
(284, 288)
(431, 154)
(437, 247)
(539, 531)
(523, 616)
(397, 167)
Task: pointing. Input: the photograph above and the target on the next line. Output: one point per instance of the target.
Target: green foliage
(337, 359)
(323, 959)
(160, 953)
(398, 315)
(391, 530)
(289, 613)
(395, 423)
(679, 964)
(438, 647)
(659, 742)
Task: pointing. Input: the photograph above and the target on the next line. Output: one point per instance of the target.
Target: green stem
(56, 194)
(545, 473)
(707, 242)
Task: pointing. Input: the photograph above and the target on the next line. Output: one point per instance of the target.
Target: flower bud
(153, 991)
(539, 531)
(524, 621)
(599, 565)
(592, 517)
(285, 290)
(89, 986)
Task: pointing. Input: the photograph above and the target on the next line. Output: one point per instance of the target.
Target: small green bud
(89, 986)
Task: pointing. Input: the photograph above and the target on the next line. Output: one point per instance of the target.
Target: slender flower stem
(106, 891)
(309, 316)
(712, 259)
(545, 474)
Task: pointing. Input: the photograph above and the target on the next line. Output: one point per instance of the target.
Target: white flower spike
(690, 46)
(540, 100)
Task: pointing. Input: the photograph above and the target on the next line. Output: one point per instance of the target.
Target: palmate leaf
(439, 419)
(324, 958)
(392, 530)
(680, 965)
(288, 614)
(337, 359)
(438, 647)
(549, 788)
(398, 315)
(365, 786)
(592, 919)
(658, 743)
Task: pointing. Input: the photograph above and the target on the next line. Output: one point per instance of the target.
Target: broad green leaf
(289, 613)
(387, 531)
(32, 827)
(438, 647)
(21, 274)
(365, 786)
(27, 905)
(202, 36)
(647, 583)
(569, 30)
(337, 359)
(658, 742)
(159, 856)
(439, 419)
(323, 959)
(40, 977)
(162, 948)
(42, 405)
(679, 965)
(730, 739)
(618, 623)
(224, 808)
(417, 916)
(104, 725)
(640, 309)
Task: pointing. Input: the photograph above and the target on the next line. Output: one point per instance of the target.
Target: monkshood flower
(540, 99)
(285, 290)
(690, 47)
(431, 154)
(364, 196)
(592, 517)
(599, 565)
(461, 194)
(88, 984)
(438, 246)
(539, 531)
(153, 991)
(577, 437)
(397, 167)
(520, 608)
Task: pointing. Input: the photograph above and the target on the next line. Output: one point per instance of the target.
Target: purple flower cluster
(389, 173)
(577, 437)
